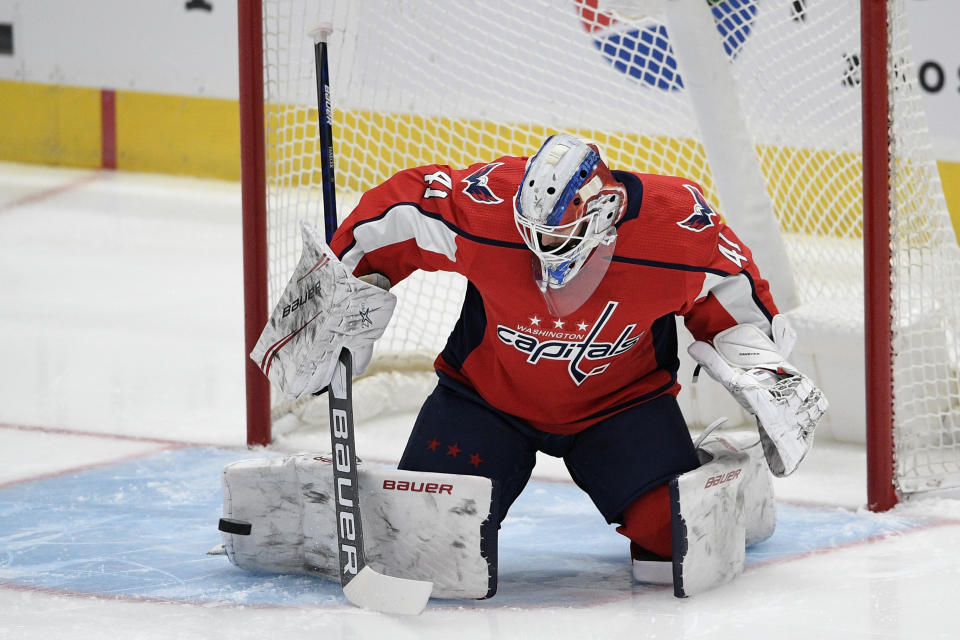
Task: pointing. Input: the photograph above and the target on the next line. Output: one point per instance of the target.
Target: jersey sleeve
(404, 224)
(730, 289)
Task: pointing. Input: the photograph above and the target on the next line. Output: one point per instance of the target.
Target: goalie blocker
(323, 310)
(278, 516)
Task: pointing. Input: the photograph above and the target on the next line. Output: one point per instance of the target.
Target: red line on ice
(49, 193)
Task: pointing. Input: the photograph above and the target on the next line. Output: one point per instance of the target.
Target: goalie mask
(566, 209)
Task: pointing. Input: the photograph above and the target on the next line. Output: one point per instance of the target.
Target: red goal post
(878, 318)
(253, 169)
(758, 101)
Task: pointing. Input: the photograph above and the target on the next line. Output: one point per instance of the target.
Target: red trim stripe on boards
(108, 129)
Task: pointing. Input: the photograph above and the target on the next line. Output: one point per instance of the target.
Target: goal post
(253, 167)
(801, 119)
(878, 334)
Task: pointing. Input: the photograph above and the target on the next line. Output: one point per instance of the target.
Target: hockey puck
(237, 527)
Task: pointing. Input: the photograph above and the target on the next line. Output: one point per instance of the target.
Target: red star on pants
(433, 444)
(453, 450)
(475, 460)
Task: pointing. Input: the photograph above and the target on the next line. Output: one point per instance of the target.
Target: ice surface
(121, 397)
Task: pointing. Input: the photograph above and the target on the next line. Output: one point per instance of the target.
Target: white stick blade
(387, 594)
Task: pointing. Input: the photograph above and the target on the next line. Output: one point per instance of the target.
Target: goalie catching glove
(753, 368)
(323, 310)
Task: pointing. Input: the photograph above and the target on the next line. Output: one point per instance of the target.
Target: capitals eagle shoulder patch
(478, 188)
(702, 216)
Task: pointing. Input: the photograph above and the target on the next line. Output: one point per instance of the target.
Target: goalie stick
(362, 586)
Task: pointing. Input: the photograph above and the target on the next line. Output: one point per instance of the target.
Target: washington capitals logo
(580, 351)
(702, 216)
(477, 187)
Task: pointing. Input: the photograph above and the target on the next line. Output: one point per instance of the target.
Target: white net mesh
(460, 81)
(925, 293)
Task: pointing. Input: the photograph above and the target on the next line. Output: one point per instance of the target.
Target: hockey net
(460, 81)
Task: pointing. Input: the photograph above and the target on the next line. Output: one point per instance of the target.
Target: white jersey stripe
(735, 293)
(399, 224)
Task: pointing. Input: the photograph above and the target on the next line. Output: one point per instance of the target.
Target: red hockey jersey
(673, 256)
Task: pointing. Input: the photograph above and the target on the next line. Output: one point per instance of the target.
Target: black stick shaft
(347, 494)
(376, 591)
(346, 488)
(325, 124)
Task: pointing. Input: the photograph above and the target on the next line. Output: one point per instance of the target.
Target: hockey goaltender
(566, 344)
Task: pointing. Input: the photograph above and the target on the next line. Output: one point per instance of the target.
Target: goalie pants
(614, 461)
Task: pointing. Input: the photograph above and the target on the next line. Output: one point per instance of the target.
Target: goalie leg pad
(263, 494)
(421, 526)
(708, 524)
(724, 461)
(756, 484)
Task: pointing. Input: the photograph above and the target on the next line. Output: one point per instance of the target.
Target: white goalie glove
(753, 368)
(323, 310)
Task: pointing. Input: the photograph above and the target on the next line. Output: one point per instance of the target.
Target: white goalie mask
(566, 210)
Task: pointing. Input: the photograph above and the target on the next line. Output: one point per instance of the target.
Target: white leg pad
(708, 525)
(420, 526)
(719, 509)
(756, 485)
